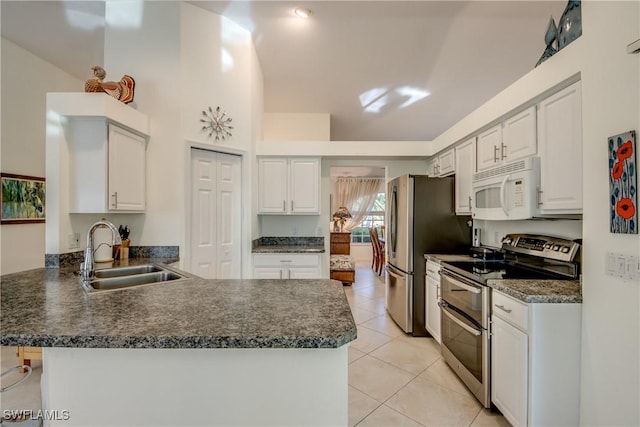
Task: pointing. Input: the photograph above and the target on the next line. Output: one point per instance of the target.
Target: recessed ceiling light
(302, 13)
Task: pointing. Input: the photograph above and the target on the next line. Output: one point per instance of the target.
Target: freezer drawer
(399, 297)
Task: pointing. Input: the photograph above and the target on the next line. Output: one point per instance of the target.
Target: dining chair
(375, 248)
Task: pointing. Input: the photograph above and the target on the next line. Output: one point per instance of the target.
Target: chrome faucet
(87, 269)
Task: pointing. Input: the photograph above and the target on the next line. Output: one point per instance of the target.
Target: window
(374, 218)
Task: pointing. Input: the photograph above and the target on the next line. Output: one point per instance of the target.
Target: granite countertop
(539, 291)
(288, 245)
(47, 307)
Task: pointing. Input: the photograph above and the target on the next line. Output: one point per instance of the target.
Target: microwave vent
(501, 170)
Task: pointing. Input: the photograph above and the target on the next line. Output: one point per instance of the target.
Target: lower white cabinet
(432, 316)
(286, 266)
(535, 361)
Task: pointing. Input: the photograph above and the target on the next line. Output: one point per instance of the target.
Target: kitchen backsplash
(492, 232)
(76, 258)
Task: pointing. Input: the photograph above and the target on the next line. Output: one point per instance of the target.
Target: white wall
(25, 81)
(611, 322)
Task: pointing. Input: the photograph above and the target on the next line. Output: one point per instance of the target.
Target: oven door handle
(460, 323)
(460, 284)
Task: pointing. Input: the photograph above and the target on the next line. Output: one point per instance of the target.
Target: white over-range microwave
(507, 191)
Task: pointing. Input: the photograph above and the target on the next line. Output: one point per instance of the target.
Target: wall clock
(216, 123)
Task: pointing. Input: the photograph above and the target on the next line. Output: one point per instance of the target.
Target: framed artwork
(23, 199)
(623, 183)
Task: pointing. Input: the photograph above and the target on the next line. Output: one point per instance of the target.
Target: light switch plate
(632, 268)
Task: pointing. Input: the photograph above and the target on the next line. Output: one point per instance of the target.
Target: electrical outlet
(74, 241)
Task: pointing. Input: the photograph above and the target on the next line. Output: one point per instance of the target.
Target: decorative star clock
(217, 123)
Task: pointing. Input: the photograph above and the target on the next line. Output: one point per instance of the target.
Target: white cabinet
(432, 294)
(509, 360)
(513, 139)
(107, 167)
(535, 361)
(442, 165)
(560, 142)
(289, 186)
(286, 266)
(465, 168)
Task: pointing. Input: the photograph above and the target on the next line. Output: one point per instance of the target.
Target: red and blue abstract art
(623, 183)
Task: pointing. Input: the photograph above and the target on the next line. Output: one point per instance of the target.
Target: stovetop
(524, 257)
(481, 271)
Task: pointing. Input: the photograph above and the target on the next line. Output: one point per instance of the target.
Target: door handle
(539, 196)
(115, 199)
(461, 324)
(495, 154)
(503, 151)
(469, 202)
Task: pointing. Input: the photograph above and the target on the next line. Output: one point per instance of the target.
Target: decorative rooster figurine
(122, 90)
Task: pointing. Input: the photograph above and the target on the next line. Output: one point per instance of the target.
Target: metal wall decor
(216, 123)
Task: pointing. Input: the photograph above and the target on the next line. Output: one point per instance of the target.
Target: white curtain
(358, 195)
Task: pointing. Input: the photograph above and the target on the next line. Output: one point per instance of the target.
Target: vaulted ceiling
(384, 70)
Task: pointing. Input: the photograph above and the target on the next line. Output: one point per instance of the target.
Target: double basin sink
(127, 277)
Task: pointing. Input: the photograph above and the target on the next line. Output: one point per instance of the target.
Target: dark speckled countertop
(539, 291)
(49, 308)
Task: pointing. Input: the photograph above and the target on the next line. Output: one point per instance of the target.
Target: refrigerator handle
(393, 231)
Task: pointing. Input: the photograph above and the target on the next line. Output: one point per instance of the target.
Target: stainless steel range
(466, 299)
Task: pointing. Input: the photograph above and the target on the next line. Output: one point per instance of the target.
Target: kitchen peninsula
(191, 352)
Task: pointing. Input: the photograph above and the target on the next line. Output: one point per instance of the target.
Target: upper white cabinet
(560, 142)
(442, 165)
(107, 167)
(465, 168)
(513, 139)
(289, 186)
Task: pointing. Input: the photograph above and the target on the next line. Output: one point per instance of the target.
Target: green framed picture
(23, 199)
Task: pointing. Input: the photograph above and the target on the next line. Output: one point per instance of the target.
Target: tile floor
(399, 380)
(394, 379)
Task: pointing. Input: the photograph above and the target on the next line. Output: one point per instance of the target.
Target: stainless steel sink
(128, 277)
(127, 271)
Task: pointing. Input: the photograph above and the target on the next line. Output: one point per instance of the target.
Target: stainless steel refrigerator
(421, 220)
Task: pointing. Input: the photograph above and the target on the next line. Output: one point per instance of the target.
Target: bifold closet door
(215, 214)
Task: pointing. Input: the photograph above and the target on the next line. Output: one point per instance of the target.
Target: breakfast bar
(187, 352)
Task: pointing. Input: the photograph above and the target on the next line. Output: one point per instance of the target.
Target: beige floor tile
(373, 305)
(442, 374)
(371, 291)
(403, 355)
(385, 325)
(369, 340)
(360, 405)
(433, 405)
(385, 416)
(487, 418)
(376, 378)
(422, 342)
(354, 354)
(360, 315)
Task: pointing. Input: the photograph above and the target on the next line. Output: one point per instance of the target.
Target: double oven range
(465, 299)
